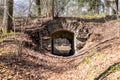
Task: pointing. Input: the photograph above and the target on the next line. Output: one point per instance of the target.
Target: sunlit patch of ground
(62, 47)
(91, 67)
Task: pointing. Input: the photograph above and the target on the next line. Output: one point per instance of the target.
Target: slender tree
(1, 2)
(29, 8)
(8, 14)
(38, 7)
(112, 6)
(1, 7)
(102, 6)
(93, 4)
(117, 5)
(51, 13)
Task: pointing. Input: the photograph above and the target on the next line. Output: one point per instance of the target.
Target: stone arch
(69, 35)
(53, 29)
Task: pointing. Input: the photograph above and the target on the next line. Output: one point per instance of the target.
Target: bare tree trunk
(1, 2)
(102, 6)
(29, 9)
(1, 7)
(38, 7)
(8, 14)
(112, 5)
(51, 13)
(117, 5)
(4, 17)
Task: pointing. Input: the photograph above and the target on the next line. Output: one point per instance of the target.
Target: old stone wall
(81, 32)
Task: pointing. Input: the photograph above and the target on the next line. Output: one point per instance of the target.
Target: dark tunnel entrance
(62, 43)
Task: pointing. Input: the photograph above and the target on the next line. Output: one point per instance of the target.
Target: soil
(33, 63)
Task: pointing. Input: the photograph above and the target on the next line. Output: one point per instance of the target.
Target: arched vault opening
(62, 43)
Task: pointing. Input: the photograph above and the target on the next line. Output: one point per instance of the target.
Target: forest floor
(98, 60)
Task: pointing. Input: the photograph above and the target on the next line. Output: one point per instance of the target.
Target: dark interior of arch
(62, 39)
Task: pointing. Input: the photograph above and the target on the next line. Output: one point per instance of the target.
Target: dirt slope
(101, 51)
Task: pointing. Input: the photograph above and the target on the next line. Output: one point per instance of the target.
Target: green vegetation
(115, 67)
(118, 45)
(94, 53)
(2, 65)
(88, 16)
(0, 20)
(85, 61)
(95, 15)
(5, 33)
(2, 51)
(118, 78)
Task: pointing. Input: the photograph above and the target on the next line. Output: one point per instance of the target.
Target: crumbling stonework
(77, 32)
(49, 32)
